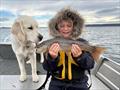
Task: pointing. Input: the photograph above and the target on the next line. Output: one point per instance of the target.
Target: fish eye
(31, 28)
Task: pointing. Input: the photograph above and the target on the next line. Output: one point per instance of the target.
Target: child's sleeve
(50, 63)
(85, 61)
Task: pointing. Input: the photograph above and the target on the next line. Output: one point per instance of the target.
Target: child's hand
(76, 50)
(54, 49)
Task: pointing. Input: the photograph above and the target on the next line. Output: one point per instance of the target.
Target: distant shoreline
(91, 25)
(87, 25)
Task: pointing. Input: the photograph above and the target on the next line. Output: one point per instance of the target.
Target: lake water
(107, 36)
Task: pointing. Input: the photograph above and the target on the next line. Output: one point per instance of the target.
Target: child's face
(65, 28)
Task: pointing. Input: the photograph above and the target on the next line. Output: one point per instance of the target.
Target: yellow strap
(62, 62)
(70, 61)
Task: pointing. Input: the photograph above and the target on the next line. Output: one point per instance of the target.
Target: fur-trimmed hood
(78, 22)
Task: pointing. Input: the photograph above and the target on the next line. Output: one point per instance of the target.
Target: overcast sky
(93, 11)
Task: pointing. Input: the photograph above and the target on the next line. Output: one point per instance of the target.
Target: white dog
(24, 39)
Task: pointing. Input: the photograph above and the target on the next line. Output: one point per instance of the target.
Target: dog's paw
(23, 78)
(35, 78)
(28, 62)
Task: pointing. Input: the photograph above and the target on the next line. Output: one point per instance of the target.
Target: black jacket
(84, 61)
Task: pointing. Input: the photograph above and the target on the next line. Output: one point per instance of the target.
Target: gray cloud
(4, 19)
(108, 11)
(87, 8)
(57, 4)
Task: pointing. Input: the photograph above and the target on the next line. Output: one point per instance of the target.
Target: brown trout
(65, 45)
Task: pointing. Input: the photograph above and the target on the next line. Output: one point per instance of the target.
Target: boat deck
(11, 82)
(9, 77)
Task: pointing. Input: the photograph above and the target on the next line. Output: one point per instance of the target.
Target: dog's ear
(17, 30)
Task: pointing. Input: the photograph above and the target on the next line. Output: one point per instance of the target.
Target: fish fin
(97, 52)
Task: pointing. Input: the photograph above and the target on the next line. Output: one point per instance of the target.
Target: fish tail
(97, 52)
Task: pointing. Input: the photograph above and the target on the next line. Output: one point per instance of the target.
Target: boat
(105, 75)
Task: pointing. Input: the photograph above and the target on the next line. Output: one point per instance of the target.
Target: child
(67, 24)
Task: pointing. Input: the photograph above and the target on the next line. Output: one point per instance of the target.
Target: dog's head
(25, 29)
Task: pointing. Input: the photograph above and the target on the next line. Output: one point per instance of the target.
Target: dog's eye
(31, 28)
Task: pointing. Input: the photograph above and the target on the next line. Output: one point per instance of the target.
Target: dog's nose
(40, 37)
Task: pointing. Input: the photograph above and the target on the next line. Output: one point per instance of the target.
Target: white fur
(24, 41)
